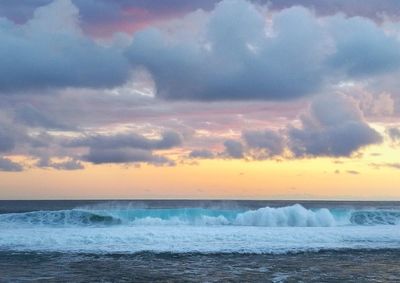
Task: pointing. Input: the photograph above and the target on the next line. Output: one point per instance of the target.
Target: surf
(288, 216)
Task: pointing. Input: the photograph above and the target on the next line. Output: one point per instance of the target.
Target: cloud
(238, 55)
(233, 59)
(7, 142)
(107, 16)
(362, 47)
(125, 155)
(33, 117)
(234, 149)
(50, 51)
(333, 127)
(268, 143)
(126, 147)
(393, 133)
(20, 11)
(373, 104)
(69, 164)
(168, 140)
(103, 17)
(234, 51)
(393, 165)
(9, 166)
(201, 153)
(376, 10)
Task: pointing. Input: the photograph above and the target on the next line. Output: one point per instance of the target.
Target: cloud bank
(64, 92)
(235, 51)
(239, 55)
(126, 147)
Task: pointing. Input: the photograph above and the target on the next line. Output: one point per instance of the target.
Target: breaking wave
(289, 216)
(126, 229)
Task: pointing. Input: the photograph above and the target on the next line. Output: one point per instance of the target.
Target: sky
(231, 99)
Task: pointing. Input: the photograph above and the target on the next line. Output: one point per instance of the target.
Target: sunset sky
(232, 99)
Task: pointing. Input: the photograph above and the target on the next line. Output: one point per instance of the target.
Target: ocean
(199, 241)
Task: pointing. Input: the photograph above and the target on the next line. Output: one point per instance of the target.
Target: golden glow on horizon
(318, 178)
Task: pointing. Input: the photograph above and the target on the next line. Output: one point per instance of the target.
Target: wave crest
(289, 216)
(58, 218)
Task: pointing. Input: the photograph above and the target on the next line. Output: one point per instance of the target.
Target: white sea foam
(207, 239)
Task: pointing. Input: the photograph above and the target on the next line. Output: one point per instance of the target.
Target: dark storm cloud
(333, 127)
(9, 166)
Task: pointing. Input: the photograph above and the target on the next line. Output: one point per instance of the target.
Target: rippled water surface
(343, 266)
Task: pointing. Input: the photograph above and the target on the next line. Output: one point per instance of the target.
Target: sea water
(210, 240)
